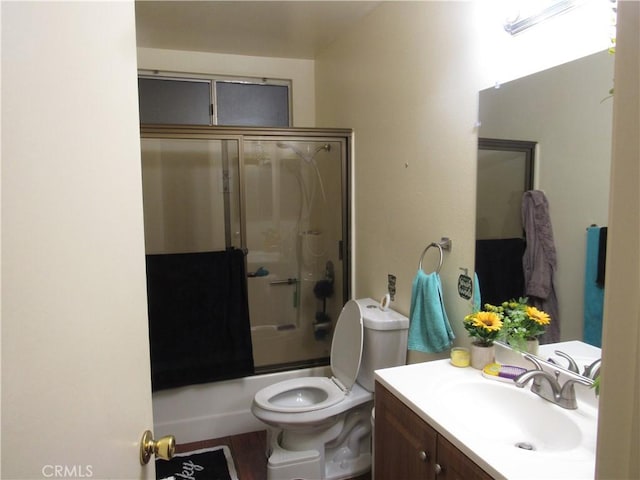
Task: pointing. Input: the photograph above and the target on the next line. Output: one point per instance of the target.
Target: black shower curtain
(499, 269)
(199, 328)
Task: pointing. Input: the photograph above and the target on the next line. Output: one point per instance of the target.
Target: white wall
(299, 71)
(568, 111)
(412, 103)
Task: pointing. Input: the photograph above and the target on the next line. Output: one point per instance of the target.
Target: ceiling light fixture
(527, 15)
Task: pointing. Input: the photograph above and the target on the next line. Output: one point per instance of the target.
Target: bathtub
(213, 410)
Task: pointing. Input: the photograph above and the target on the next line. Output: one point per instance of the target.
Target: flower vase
(481, 355)
(532, 346)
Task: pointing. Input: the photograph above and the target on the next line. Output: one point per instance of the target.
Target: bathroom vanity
(434, 420)
(407, 447)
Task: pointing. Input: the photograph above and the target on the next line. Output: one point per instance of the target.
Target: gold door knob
(163, 448)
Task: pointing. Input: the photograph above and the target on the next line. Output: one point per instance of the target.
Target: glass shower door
(294, 225)
(190, 194)
(199, 327)
(276, 200)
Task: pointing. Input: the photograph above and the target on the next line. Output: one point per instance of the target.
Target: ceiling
(289, 29)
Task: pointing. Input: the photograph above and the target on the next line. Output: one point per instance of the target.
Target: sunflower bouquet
(483, 326)
(520, 322)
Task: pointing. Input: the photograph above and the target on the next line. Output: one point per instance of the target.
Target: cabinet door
(405, 446)
(454, 465)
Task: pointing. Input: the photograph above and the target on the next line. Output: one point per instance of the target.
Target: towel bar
(443, 244)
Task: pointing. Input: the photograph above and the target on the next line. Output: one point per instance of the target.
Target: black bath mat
(206, 464)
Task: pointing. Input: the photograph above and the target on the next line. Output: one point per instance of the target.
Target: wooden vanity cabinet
(404, 445)
(456, 465)
(407, 448)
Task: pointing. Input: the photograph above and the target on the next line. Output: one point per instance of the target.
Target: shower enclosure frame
(242, 134)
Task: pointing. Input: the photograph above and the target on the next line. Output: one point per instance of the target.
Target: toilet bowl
(300, 395)
(331, 416)
(291, 403)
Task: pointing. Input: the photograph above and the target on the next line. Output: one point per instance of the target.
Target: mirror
(567, 111)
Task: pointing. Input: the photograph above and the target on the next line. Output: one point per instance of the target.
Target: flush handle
(163, 448)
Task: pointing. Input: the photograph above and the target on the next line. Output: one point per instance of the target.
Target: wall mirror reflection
(504, 174)
(567, 112)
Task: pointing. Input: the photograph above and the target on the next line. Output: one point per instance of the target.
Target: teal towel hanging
(429, 328)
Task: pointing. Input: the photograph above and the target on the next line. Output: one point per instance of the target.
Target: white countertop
(420, 387)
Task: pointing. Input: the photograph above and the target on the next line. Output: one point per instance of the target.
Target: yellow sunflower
(541, 318)
(487, 320)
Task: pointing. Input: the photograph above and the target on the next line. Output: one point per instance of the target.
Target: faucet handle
(537, 380)
(534, 360)
(573, 366)
(593, 370)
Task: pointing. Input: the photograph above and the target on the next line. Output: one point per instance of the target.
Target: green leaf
(596, 385)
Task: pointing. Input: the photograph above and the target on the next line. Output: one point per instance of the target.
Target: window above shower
(171, 99)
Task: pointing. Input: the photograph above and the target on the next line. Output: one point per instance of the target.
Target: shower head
(307, 156)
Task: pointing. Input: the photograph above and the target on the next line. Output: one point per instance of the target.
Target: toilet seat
(346, 346)
(300, 395)
(307, 394)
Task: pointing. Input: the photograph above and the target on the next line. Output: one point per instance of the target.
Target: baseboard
(214, 426)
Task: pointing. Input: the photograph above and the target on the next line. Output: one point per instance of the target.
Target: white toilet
(320, 428)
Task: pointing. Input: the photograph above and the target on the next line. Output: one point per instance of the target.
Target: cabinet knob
(424, 456)
(438, 469)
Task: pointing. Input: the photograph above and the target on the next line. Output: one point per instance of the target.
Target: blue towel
(593, 293)
(429, 330)
(477, 298)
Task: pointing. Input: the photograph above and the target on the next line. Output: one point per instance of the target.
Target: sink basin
(508, 415)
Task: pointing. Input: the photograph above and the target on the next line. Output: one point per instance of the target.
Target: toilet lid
(346, 347)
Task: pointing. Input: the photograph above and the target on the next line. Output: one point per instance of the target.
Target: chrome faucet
(590, 371)
(548, 386)
(573, 366)
(593, 370)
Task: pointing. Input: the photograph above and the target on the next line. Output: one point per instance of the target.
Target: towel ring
(425, 251)
(444, 244)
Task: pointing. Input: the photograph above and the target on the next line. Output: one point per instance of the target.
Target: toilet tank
(384, 342)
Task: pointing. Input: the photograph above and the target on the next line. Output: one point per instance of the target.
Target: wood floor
(248, 451)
